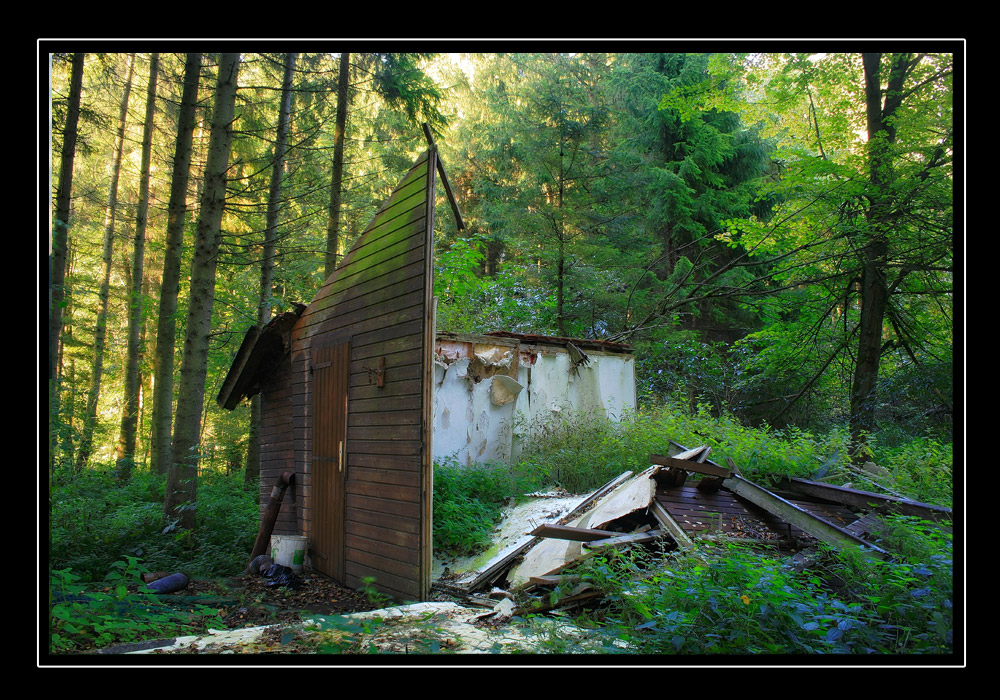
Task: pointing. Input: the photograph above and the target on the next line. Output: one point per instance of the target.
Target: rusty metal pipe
(271, 513)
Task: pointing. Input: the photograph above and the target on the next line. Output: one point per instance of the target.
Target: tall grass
(579, 453)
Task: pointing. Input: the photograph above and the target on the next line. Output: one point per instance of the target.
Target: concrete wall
(489, 391)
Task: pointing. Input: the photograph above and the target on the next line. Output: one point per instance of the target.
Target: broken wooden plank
(732, 465)
(554, 580)
(567, 532)
(708, 468)
(606, 488)
(866, 500)
(631, 538)
(689, 454)
(499, 564)
(791, 513)
(551, 556)
(668, 523)
(568, 601)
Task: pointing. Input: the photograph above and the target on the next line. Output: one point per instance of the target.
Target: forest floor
(262, 618)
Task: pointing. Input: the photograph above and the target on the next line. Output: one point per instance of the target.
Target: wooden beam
(866, 500)
(600, 492)
(668, 523)
(709, 468)
(554, 580)
(791, 513)
(444, 180)
(632, 538)
(575, 534)
(501, 563)
(689, 454)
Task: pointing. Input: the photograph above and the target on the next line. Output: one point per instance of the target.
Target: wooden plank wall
(277, 449)
(379, 299)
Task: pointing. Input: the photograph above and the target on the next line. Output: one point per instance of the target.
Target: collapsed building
(359, 394)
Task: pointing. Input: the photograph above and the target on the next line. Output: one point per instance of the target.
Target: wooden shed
(345, 388)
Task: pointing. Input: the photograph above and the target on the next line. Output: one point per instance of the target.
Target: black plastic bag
(281, 576)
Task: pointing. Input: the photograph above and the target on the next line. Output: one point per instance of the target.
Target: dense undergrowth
(725, 598)
(104, 532)
(729, 599)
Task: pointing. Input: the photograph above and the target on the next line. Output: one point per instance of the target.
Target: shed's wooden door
(331, 379)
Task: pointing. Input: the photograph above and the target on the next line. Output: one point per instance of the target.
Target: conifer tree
(181, 490)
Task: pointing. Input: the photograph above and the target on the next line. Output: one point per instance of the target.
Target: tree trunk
(130, 409)
(163, 360)
(270, 244)
(337, 179)
(874, 288)
(60, 245)
(100, 328)
(181, 489)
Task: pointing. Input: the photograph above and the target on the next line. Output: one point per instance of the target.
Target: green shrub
(912, 594)
(83, 618)
(921, 468)
(734, 602)
(96, 520)
(469, 502)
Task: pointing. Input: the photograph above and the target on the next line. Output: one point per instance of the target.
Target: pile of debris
(681, 498)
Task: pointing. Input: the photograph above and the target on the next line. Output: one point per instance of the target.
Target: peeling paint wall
(490, 391)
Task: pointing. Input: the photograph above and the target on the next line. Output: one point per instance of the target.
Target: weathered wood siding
(277, 449)
(379, 300)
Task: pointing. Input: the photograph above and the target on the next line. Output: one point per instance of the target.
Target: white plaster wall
(470, 427)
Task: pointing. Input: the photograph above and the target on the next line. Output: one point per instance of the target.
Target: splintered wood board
(551, 556)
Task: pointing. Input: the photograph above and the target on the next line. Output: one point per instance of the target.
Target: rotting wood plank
(554, 580)
(671, 525)
(620, 540)
(697, 511)
(566, 532)
(552, 556)
(791, 513)
(501, 563)
(866, 500)
(563, 603)
(690, 454)
(710, 469)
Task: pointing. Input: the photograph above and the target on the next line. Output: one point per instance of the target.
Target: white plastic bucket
(289, 550)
